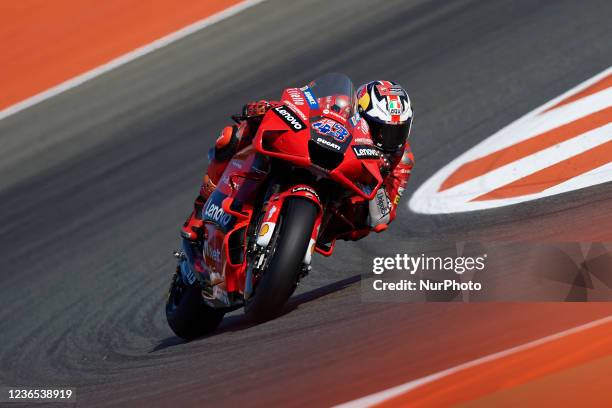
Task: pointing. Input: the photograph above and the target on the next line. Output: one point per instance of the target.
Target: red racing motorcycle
(280, 200)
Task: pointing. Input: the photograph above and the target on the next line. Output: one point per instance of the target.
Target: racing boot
(192, 227)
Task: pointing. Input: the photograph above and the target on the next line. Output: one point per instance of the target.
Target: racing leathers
(395, 168)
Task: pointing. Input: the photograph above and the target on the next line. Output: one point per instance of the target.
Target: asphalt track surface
(95, 182)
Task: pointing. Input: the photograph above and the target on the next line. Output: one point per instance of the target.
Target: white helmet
(385, 106)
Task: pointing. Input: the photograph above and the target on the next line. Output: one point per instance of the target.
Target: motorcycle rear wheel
(188, 315)
(279, 280)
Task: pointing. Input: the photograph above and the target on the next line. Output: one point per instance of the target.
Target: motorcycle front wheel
(288, 246)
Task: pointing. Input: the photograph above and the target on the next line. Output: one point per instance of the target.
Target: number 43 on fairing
(328, 127)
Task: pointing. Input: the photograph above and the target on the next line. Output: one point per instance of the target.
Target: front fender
(273, 211)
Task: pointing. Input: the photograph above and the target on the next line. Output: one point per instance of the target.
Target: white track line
(411, 385)
(528, 165)
(128, 57)
(428, 199)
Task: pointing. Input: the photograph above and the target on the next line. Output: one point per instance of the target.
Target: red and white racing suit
(395, 167)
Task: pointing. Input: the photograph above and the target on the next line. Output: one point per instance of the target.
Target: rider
(386, 108)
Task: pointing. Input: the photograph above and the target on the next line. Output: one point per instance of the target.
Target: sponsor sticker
(334, 115)
(214, 212)
(289, 117)
(382, 202)
(210, 252)
(326, 142)
(264, 229)
(394, 108)
(366, 152)
(297, 110)
(389, 90)
(306, 189)
(364, 141)
(296, 96)
(312, 101)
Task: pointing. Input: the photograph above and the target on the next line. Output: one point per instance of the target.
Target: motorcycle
(280, 200)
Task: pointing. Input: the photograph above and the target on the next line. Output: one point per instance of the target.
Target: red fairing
(222, 219)
(275, 140)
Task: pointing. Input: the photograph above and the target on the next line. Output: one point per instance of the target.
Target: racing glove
(258, 108)
(384, 165)
(254, 111)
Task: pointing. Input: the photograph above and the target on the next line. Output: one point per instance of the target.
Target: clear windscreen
(335, 92)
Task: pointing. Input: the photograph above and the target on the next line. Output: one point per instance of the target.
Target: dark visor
(390, 137)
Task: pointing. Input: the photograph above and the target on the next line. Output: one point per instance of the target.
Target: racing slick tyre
(187, 314)
(288, 246)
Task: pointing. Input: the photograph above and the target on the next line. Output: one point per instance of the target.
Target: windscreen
(336, 93)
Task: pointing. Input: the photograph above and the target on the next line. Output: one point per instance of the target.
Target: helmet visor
(390, 137)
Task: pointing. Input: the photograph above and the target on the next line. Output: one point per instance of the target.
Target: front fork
(268, 225)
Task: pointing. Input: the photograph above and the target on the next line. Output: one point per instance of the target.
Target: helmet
(385, 106)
